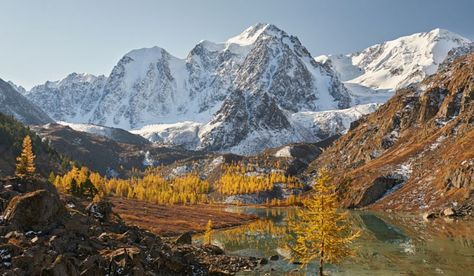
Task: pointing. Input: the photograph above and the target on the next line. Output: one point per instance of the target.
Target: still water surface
(391, 244)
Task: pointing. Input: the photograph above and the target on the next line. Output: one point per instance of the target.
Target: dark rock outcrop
(379, 187)
(34, 210)
(185, 238)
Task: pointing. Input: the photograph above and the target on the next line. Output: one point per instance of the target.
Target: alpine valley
(214, 163)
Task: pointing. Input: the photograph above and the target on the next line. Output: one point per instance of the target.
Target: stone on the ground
(185, 238)
(34, 210)
(449, 212)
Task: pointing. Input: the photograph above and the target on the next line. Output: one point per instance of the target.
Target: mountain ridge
(203, 91)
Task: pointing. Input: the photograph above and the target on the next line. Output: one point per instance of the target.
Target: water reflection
(390, 244)
(381, 230)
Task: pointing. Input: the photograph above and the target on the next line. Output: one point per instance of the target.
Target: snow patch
(284, 152)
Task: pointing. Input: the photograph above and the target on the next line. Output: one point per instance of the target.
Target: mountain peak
(153, 53)
(439, 33)
(85, 77)
(252, 33)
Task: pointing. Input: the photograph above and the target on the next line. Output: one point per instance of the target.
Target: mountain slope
(15, 104)
(12, 134)
(116, 134)
(115, 154)
(394, 64)
(416, 151)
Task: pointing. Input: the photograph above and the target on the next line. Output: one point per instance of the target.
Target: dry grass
(176, 219)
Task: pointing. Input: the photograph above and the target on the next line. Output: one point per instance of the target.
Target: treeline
(249, 179)
(153, 187)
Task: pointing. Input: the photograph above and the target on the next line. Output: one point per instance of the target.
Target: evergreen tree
(26, 161)
(88, 189)
(52, 177)
(208, 233)
(74, 188)
(319, 230)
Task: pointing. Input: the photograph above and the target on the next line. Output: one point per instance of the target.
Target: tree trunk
(321, 267)
(321, 263)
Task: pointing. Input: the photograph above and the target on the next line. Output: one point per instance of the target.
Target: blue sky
(48, 39)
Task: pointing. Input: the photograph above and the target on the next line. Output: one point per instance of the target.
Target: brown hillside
(416, 151)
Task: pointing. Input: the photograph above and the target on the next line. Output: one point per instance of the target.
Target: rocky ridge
(15, 104)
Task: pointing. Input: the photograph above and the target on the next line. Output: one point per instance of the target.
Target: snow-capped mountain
(15, 104)
(238, 133)
(259, 71)
(20, 89)
(70, 99)
(256, 90)
(374, 73)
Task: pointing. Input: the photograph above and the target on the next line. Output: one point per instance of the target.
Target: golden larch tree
(319, 230)
(25, 163)
(208, 233)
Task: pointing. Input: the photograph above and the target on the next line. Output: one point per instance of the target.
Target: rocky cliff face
(415, 151)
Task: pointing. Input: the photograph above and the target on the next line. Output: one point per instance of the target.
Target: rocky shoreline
(42, 235)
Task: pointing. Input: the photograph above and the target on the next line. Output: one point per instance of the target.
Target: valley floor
(176, 219)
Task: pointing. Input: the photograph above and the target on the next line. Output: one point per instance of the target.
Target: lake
(390, 244)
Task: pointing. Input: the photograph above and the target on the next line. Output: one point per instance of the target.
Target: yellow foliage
(26, 161)
(187, 189)
(319, 230)
(247, 179)
(208, 233)
(153, 187)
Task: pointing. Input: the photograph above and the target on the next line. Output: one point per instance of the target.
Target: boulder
(34, 210)
(185, 238)
(274, 258)
(449, 212)
(174, 263)
(213, 249)
(218, 272)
